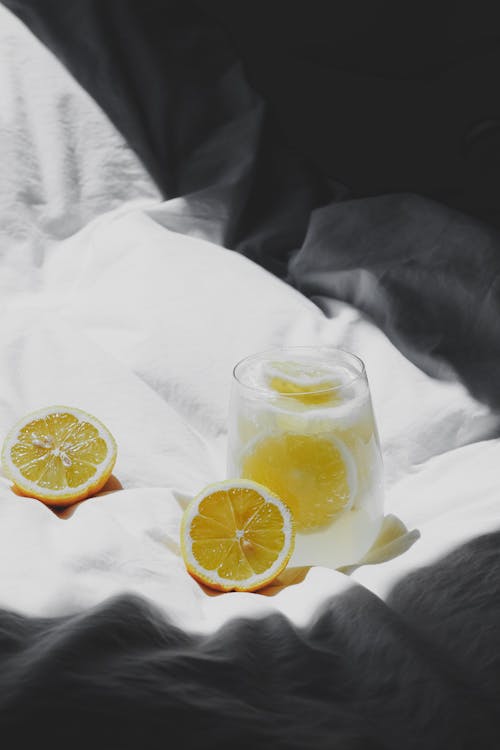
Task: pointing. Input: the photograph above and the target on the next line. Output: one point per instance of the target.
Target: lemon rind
(211, 577)
(32, 489)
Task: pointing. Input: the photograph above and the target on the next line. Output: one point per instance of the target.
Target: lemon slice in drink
(305, 382)
(314, 474)
(236, 536)
(59, 455)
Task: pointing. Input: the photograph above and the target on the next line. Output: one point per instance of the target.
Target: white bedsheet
(104, 308)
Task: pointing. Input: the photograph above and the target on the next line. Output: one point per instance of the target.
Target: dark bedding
(120, 676)
(167, 77)
(373, 96)
(334, 128)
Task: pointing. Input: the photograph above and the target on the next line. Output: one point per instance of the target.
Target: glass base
(344, 542)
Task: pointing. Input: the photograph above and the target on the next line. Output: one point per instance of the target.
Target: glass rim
(281, 349)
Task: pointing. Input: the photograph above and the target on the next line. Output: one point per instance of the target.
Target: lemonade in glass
(301, 423)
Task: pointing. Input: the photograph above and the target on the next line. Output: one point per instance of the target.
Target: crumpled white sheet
(141, 326)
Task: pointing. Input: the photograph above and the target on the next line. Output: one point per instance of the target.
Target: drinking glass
(301, 423)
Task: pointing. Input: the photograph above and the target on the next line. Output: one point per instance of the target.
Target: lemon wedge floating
(59, 455)
(305, 382)
(236, 535)
(314, 474)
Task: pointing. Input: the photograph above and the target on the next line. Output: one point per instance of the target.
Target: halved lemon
(314, 474)
(59, 455)
(236, 535)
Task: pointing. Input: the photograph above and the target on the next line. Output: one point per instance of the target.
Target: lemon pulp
(236, 535)
(58, 451)
(309, 472)
(59, 454)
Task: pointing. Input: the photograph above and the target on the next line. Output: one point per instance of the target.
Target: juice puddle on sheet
(302, 424)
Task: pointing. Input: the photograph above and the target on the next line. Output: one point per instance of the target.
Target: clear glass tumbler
(301, 423)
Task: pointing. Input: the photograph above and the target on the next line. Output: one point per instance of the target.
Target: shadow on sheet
(419, 670)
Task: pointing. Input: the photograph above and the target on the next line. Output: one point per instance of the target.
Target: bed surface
(126, 305)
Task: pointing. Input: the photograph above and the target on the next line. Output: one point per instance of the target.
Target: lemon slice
(314, 474)
(59, 455)
(302, 381)
(236, 536)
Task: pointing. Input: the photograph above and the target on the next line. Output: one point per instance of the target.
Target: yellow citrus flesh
(236, 536)
(314, 475)
(59, 455)
(302, 382)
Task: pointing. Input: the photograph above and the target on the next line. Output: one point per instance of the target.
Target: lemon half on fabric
(236, 535)
(59, 455)
(314, 474)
